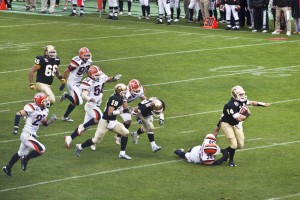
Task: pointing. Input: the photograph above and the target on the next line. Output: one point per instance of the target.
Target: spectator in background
(204, 7)
(193, 6)
(296, 15)
(244, 14)
(284, 6)
(44, 6)
(260, 15)
(164, 6)
(76, 3)
(113, 9)
(30, 5)
(121, 4)
(176, 4)
(145, 9)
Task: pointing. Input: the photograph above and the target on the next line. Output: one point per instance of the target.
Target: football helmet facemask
(157, 106)
(121, 89)
(49, 51)
(134, 86)
(238, 93)
(41, 100)
(85, 54)
(94, 72)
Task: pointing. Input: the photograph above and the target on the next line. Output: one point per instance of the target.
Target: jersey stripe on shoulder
(31, 106)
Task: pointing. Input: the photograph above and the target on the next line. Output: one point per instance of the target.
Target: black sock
(69, 110)
(74, 134)
(151, 137)
(126, 125)
(139, 131)
(180, 153)
(191, 14)
(123, 143)
(231, 152)
(148, 10)
(89, 123)
(32, 154)
(14, 159)
(87, 143)
(178, 13)
(129, 5)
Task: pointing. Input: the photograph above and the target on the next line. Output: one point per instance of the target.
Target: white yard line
(128, 168)
(167, 118)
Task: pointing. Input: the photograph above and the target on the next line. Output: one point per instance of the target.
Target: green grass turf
(192, 70)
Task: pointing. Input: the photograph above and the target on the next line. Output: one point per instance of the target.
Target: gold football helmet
(121, 89)
(157, 106)
(238, 93)
(49, 51)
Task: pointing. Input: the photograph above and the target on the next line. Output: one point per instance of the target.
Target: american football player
(232, 6)
(109, 122)
(235, 112)
(79, 3)
(46, 67)
(145, 111)
(145, 9)
(36, 114)
(121, 5)
(92, 92)
(135, 90)
(204, 153)
(164, 7)
(79, 65)
(113, 9)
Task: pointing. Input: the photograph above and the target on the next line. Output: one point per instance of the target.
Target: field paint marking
(129, 168)
(284, 197)
(88, 175)
(172, 82)
(154, 55)
(174, 117)
(4, 111)
(25, 25)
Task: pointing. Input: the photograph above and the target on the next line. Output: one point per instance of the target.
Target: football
(244, 110)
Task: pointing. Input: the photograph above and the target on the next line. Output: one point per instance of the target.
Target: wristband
(30, 84)
(60, 77)
(116, 112)
(261, 103)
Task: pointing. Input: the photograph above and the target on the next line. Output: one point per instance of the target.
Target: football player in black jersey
(109, 122)
(145, 111)
(235, 112)
(46, 67)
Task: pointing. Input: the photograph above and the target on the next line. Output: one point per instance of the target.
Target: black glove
(62, 87)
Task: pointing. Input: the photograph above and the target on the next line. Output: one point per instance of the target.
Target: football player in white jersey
(79, 65)
(135, 90)
(92, 92)
(204, 153)
(36, 114)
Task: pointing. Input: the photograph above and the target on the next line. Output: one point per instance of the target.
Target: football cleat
(78, 151)
(117, 140)
(93, 147)
(24, 163)
(156, 148)
(135, 137)
(63, 96)
(68, 140)
(67, 119)
(276, 32)
(125, 156)
(80, 129)
(7, 170)
(129, 13)
(73, 14)
(232, 164)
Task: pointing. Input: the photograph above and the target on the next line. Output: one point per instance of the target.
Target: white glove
(117, 77)
(52, 119)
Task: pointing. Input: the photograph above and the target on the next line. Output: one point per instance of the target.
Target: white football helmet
(238, 93)
(49, 51)
(121, 89)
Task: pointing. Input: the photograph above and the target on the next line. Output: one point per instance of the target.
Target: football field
(193, 70)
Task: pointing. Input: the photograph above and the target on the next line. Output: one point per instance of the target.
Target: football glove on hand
(139, 121)
(161, 121)
(52, 119)
(117, 77)
(15, 130)
(63, 81)
(62, 87)
(32, 86)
